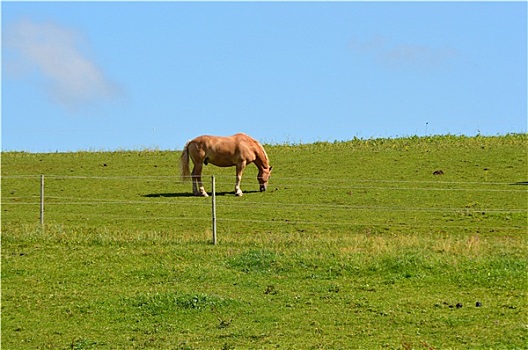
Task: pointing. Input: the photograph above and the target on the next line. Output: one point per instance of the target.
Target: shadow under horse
(188, 194)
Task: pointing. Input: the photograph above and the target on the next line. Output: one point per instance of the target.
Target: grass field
(355, 244)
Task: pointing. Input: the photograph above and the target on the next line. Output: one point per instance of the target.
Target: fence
(337, 210)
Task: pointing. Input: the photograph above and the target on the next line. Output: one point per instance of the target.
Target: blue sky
(111, 75)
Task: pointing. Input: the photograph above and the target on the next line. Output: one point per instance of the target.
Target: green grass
(354, 245)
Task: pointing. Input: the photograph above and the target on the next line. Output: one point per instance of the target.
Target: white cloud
(73, 80)
(417, 56)
(403, 55)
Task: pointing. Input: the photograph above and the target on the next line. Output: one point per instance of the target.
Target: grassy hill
(387, 243)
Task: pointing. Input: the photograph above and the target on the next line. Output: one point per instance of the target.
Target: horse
(237, 150)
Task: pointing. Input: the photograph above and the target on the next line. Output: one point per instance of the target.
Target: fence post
(213, 197)
(42, 200)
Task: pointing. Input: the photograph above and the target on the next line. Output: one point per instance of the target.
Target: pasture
(355, 244)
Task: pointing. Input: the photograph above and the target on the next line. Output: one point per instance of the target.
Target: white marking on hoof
(202, 192)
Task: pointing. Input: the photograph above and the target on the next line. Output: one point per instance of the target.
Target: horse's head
(263, 176)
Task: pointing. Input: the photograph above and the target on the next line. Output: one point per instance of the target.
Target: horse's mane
(262, 151)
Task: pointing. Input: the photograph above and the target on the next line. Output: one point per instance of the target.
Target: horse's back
(227, 143)
(220, 150)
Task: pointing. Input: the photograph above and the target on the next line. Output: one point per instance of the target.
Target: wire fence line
(154, 200)
(296, 180)
(90, 201)
(98, 201)
(282, 222)
(347, 223)
(349, 186)
(408, 188)
(311, 206)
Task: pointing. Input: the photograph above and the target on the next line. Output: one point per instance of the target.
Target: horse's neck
(262, 158)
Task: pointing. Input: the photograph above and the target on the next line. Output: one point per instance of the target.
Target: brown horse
(238, 150)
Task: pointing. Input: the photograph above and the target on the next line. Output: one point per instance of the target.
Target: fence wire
(319, 183)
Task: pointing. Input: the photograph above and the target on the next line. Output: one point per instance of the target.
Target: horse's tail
(184, 163)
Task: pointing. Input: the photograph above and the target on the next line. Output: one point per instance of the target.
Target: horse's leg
(194, 181)
(239, 170)
(198, 188)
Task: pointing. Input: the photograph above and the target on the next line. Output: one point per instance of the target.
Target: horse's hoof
(238, 194)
